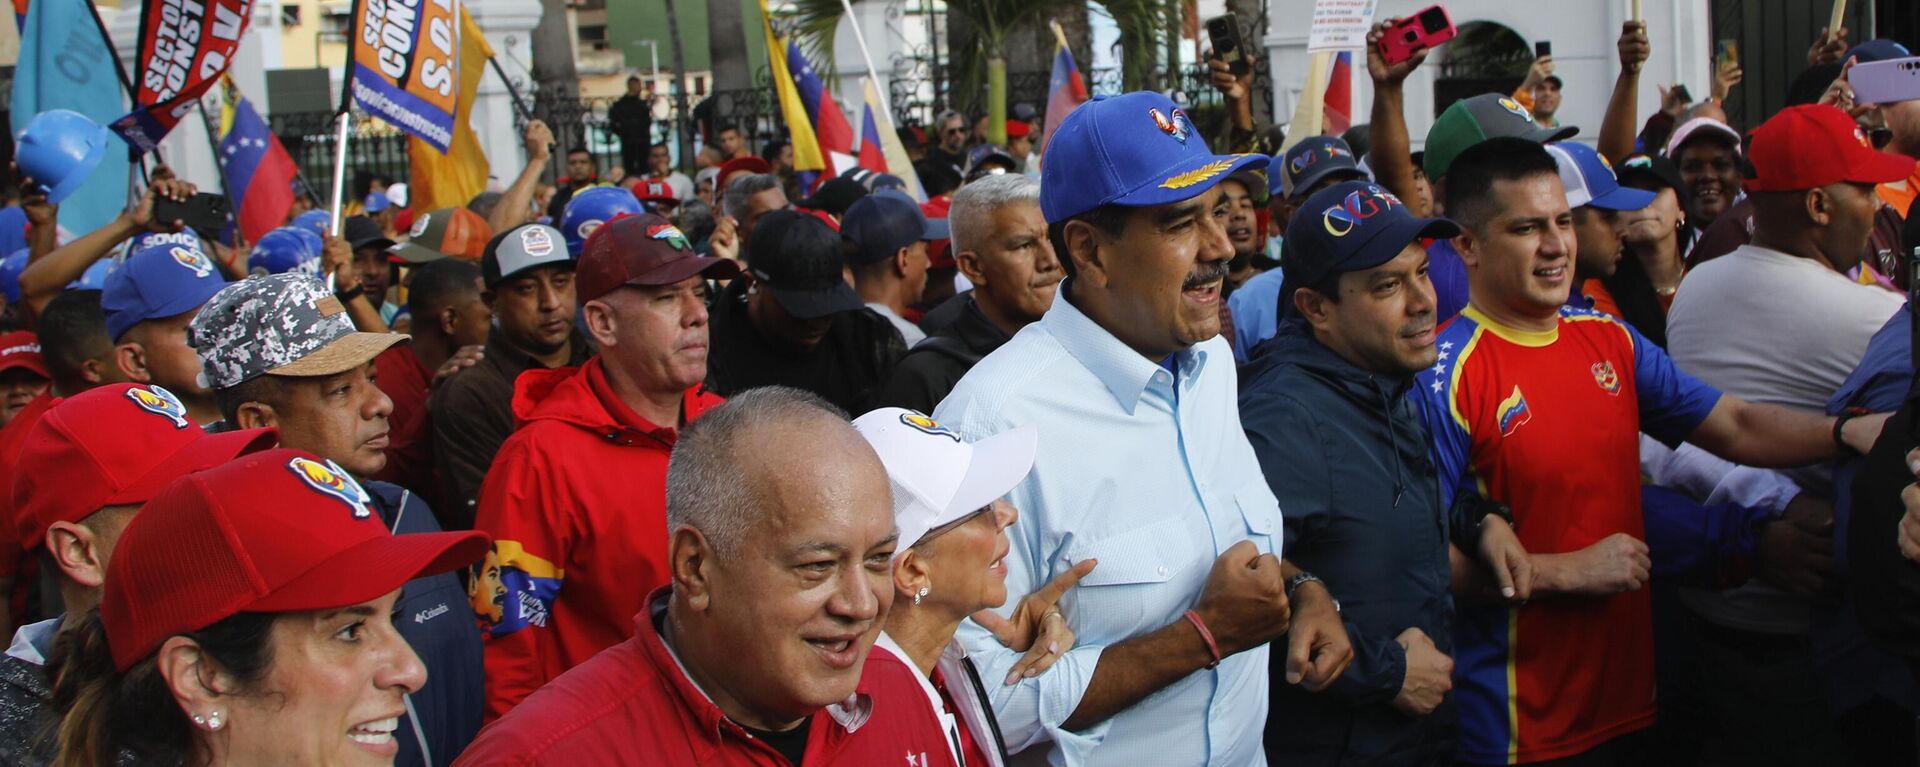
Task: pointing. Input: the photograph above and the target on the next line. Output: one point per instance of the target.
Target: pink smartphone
(1424, 30)
(1886, 82)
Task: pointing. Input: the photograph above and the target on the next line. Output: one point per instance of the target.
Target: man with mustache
(279, 352)
(1343, 448)
(1000, 244)
(527, 273)
(574, 500)
(1142, 467)
(1539, 406)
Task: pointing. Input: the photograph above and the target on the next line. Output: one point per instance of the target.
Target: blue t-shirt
(1449, 275)
(1256, 312)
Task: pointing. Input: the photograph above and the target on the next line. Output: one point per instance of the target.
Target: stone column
(508, 25)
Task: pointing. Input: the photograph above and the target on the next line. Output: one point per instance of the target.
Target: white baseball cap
(937, 477)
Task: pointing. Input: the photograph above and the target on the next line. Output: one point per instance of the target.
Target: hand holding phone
(1223, 32)
(1421, 31)
(1885, 82)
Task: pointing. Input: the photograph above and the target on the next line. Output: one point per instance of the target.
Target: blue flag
(65, 64)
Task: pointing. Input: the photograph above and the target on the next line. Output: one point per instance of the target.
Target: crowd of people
(1511, 450)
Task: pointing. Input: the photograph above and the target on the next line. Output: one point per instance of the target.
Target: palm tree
(1140, 23)
(815, 21)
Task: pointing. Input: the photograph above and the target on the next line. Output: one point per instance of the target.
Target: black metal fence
(376, 148)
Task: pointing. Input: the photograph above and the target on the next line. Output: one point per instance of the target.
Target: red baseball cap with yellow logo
(1814, 145)
(275, 531)
(114, 445)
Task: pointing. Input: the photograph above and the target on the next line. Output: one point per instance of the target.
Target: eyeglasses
(956, 131)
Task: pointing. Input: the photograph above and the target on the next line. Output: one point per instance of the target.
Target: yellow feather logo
(1196, 175)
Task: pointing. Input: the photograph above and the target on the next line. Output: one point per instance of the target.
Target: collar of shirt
(512, 360)
(1125, 372)
(849, 715)
(32, 642)
(596, 373)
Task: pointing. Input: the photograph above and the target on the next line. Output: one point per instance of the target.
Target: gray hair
(696, 219)
(706, 489)
(971, 217)
(739, 188)
(941, 121)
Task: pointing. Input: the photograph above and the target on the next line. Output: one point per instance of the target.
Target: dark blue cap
(1349, 227)
(1880, 49)
(1307, 162)
(1136, 150)
(157, 282)
(881, 224)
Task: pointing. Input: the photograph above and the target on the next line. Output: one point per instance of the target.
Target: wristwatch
(1307, 577)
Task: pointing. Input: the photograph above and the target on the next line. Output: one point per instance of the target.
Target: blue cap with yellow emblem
(164, 280)
(1137, 149)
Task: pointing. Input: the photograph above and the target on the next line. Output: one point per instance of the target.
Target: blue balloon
(283, 250)
(10, 269)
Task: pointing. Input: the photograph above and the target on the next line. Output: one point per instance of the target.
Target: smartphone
(203, 212)
(1886, 82)
(1681, 92)
(1421, 31)
(1224, 32)
(1727, 52)
(1543, 49)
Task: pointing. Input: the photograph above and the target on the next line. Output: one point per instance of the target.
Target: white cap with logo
(937, 477)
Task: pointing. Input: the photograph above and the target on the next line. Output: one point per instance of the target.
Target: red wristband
(1205, 636)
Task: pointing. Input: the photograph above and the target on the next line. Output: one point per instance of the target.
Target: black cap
(835, 196)
(362, 232)
(1652, 172)
(800, 260)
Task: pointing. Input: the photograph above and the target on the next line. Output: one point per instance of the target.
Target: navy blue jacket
(438, 622)
(1346, 453)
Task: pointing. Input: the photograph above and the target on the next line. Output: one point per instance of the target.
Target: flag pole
(866, 55)
(126, 82)
(526, 112)
(344, 118)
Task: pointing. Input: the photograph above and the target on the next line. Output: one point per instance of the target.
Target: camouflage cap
(284, 324)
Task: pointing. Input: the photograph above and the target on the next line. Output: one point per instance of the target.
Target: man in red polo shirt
(757, 653)
(575, 498)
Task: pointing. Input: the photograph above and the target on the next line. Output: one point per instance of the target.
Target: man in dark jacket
(279, 351)
(528, 275)
(631, 118)
(1344, 449)
(1000, 244)
(794, 321)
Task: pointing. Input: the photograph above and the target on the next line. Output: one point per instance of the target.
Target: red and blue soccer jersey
(1548, 423)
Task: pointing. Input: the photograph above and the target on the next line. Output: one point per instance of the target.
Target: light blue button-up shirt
(1145, 468)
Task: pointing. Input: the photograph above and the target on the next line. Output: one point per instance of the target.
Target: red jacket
(576, 503)
(632, 705)
(409, 445)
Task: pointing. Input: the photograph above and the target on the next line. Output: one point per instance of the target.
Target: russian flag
(257, 170)
(830, 126)
(1339, 98)
(1065, 89)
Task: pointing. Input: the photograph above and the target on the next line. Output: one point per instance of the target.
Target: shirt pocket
(1132, 588)
(1262, 517)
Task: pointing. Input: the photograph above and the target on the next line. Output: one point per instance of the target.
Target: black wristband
(1840, 423)
(349, 294)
